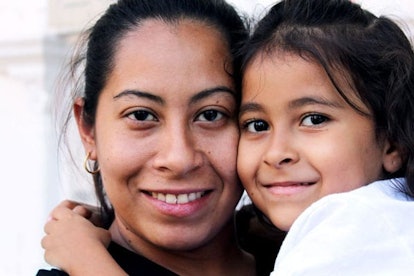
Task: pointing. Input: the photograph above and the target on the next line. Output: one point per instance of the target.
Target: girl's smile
(300, 140)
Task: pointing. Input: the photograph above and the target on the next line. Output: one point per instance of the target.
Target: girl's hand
(72, 241)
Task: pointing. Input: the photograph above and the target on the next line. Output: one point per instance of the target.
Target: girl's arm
(75, 245)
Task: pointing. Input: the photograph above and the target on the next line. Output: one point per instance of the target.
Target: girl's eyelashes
(255, 125)
(314, 120)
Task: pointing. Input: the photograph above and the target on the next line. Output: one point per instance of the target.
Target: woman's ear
(392, 158)
(86, 131)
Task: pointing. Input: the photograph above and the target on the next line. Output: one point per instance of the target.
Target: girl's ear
(392, 158)
(86, 131)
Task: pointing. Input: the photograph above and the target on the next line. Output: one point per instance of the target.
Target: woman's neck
(218, 256)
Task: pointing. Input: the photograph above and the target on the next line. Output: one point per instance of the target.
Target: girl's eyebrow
(250, 107)
(197, 97)
(313, 101)
(256, 107)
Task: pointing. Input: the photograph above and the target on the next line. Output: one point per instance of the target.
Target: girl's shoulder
(381, 201)
(367, 228)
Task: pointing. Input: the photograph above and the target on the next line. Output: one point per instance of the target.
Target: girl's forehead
(266, 67)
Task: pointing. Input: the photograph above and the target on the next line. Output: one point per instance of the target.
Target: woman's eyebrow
(197, 97)
(139, 94)
(208, 92)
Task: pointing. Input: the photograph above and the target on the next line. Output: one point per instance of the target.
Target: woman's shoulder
(51, 272)
(130, 262)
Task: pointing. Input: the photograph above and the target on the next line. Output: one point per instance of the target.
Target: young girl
(327, 137)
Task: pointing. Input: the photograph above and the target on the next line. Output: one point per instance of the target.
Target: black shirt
(130, 262)
(254, 236)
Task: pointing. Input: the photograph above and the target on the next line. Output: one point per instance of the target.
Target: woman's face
(166, 136)
(301, 141)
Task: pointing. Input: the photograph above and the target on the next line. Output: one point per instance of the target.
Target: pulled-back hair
(95, 61)
(372, 52)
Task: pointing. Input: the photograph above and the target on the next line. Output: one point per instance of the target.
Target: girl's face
(300, 140)
(166, 137)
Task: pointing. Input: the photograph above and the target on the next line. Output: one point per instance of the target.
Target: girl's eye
(142, 115)
(256, 126)
(314, 120)
(210, 115)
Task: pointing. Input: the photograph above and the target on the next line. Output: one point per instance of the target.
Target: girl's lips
(288, 188)
(288, 184)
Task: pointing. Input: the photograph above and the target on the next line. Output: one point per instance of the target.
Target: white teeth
(177, 199)
(172, 199)
(192, 196)
(161, 197)
(183, 198)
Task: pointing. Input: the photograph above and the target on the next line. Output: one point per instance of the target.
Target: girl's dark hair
(372, 53)
(126, 15)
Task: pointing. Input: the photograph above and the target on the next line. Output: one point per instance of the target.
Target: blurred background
(35, 38)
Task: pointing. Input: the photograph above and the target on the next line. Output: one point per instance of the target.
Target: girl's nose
(281, 151)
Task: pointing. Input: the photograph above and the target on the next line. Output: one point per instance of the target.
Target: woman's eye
(210, 115)
(142, 115)
(314, 120)
(256, 126)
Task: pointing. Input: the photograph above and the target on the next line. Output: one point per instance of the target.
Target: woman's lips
(177, 198)
(179, 204)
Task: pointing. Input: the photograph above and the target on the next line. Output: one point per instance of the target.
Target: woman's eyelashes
(210, 115)
(213, 118)
(142, 115)
(144, 118)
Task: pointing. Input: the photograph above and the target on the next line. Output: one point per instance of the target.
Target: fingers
(105, 236)
(83, 211)
(45, 242)
(66, 209)
(70, 229)
(48, 227)
(70, 204)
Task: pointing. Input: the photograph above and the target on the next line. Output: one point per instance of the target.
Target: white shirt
(368, 231)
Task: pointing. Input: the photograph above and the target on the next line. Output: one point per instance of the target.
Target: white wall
(33, 41)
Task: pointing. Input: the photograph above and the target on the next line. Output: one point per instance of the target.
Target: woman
(157, 117)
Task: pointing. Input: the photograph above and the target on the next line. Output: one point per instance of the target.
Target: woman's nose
(178, 152)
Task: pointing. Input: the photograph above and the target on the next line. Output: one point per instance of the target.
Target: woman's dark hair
(371, 52)
(126, 15)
